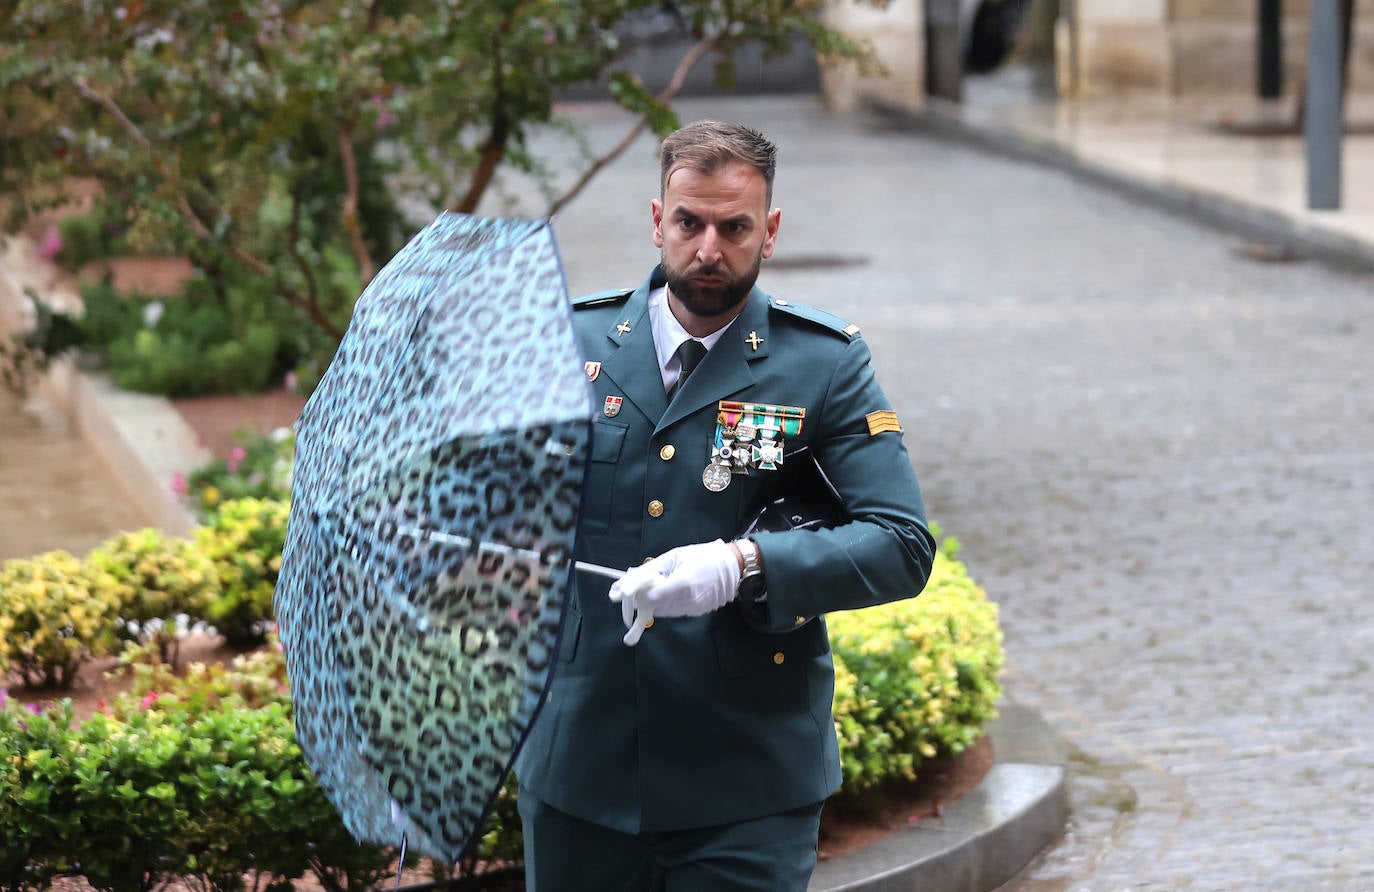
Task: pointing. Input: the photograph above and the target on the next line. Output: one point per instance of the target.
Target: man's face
(714, 229)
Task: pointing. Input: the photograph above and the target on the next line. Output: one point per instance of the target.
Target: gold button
(667, 452)
(655, 508)
(801, 620)
(780, 302)
(778, 658)
(647, 559)
(649, 624)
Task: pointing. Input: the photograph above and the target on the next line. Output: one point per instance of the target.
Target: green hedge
(915, 679)
(53, 619)
(57, 612)
(196, 774)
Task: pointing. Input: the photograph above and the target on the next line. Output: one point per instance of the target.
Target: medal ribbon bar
(787, 419)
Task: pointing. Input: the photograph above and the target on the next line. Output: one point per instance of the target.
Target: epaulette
(829, 321)
(602, 298)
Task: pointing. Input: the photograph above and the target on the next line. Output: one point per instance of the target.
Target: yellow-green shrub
(51, 621)
(153, 578)
(916, 678)
(244, 539)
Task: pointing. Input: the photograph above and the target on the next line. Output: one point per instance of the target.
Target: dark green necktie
(689, 353)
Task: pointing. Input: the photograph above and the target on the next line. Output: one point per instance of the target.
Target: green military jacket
(707, 721)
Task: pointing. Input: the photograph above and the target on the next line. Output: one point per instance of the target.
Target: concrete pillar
(897, 35)
(1106, 46)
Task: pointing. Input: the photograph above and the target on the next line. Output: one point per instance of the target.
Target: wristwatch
(751, 578)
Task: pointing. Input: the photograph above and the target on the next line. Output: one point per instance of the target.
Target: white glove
(688, 581)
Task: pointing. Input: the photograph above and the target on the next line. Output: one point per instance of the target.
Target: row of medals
(739, 450)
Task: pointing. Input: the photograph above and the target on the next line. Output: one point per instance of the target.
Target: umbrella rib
(525, 553)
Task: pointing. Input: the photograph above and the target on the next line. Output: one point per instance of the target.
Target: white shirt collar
(669, 335)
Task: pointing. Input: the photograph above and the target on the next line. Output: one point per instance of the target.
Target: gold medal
(716, 477)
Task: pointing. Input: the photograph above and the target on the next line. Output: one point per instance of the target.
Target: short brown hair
(704, 146)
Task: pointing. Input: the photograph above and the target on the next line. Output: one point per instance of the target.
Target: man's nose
(708, 250)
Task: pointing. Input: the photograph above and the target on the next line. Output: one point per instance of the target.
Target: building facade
(1100, 47)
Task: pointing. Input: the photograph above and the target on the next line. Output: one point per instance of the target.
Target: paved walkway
(1192, 151)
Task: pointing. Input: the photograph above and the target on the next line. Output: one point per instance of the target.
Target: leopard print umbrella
(439, 469)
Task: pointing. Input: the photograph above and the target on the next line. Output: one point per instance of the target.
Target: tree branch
(494, 148)
(675, 84)
(366, 269)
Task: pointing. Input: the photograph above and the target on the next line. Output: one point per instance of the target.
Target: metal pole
(1270, 49)
(1323, 128)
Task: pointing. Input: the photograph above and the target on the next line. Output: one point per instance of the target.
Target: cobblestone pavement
(1159, 457)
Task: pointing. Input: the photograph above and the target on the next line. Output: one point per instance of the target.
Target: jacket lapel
(632, 363)
(725, 371)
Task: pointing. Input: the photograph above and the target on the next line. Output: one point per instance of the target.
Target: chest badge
(612, 407)
(592, 369)
(749, 437)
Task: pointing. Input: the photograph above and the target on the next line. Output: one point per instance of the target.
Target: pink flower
(236, 456)
(384, 116)
(148, 700)
(289, 382)
(179, 484)
(51, 245)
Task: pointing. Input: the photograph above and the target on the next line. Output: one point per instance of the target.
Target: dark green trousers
(776, 853)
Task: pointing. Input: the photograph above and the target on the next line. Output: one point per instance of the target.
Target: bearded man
(687, 742)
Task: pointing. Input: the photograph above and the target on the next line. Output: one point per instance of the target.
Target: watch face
(751, 587)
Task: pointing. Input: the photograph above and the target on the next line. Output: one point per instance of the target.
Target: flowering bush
(52, 619)
(244, 539)
(153, 579)
(915, 679)
(198, 776)
(258, 467)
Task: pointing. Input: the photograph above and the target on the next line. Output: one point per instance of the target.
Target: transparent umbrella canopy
(439, 470)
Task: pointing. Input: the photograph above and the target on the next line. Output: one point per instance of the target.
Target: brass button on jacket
(667, 452)
(655, 508)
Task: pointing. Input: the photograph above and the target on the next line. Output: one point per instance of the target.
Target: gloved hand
(688, 581)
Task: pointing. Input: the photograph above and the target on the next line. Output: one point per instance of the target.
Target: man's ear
(770, 232)
(656, 207)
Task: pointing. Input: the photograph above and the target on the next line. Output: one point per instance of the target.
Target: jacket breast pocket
(608, 441)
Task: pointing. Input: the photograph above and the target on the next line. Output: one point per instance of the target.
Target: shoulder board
(828, 321)
(602, 298)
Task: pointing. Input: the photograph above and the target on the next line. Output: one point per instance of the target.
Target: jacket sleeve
(885, 551)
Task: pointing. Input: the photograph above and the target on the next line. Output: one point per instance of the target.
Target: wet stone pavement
(1159, 457)
(53, 492)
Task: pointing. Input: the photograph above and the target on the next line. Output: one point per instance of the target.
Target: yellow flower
(210, 496)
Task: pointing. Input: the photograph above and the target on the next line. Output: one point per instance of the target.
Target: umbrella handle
(597, 569)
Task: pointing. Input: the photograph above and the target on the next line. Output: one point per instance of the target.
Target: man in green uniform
(687, 743)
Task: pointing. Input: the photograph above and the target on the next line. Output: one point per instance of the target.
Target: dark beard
(709, 302)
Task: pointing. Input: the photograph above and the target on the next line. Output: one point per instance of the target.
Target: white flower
(152, 312)
(280, 434)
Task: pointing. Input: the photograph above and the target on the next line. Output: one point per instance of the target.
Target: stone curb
(1216, 209)
(985, 837)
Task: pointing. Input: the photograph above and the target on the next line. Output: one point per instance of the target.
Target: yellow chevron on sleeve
(882, 422)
